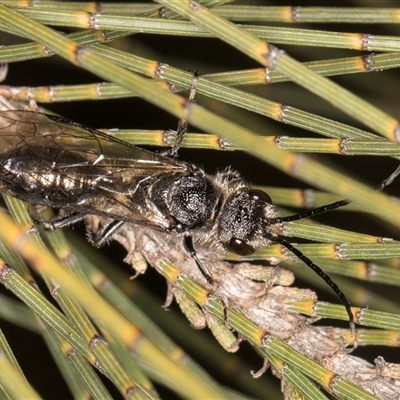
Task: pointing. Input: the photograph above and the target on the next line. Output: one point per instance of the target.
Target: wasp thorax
(190, 199)
(242, 221)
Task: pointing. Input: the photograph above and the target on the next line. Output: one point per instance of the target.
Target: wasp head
(243, 220)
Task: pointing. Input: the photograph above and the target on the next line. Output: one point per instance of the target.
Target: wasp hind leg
(99, 239)
(58, 222)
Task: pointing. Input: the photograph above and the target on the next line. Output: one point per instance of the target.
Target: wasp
(50, 161)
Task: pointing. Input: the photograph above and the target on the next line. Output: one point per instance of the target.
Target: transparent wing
(69, 144)
(51, 161)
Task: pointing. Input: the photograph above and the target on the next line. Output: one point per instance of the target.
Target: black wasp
(54, 162)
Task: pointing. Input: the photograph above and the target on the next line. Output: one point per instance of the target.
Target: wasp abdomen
(31, 180)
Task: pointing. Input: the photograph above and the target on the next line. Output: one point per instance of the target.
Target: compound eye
(257, 194)
(240, 247)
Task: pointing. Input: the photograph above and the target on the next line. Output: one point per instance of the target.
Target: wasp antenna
(388, 180)
(332, 206)
(309, 213)
(320, 273)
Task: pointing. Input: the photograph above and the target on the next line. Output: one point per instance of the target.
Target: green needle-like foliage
(285, 96)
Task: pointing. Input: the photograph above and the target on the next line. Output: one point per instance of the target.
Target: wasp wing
(51, 161)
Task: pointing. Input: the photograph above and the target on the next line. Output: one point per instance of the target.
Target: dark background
(206, 56)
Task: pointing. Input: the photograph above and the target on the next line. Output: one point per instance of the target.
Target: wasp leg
(188, 246)
(183, 124)
(58, 222)
(102, 238)
(3, 71)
